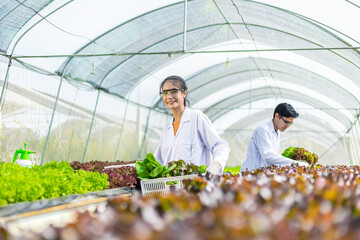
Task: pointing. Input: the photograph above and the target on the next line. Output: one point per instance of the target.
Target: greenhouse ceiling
(236, 56)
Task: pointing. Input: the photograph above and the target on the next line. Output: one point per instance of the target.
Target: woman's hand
(214, 168)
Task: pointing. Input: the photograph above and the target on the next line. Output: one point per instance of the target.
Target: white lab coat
(263, 149)
(196, 137)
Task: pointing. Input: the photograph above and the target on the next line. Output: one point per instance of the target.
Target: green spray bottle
(24, 160)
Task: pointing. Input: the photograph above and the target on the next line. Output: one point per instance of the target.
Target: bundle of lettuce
(300, 154)
(150, 168)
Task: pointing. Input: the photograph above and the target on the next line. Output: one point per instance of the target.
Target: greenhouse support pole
(138, 119)
(357, 139)
(250, 86)
(350, 149)
(138, 127)
(359, 132)
(145, 133)
(355, 151)
(354, 131)
(346, 143)
(121, 131)
(185, 25)
(92, 121)
(4, 87)
(52, 119)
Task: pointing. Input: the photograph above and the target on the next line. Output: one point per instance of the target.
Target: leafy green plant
(271, 203)
(202, 168)
(233, 170)
(297, 153)
(118, 177)
(287, 152)
(19, 184)
(150, 168)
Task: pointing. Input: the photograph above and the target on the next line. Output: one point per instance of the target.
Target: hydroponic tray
(22, 207)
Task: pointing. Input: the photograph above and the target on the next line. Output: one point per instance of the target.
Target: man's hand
(301, 163)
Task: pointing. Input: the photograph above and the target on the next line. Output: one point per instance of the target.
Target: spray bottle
(24, 160)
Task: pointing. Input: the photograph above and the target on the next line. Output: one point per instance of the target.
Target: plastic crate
(158, 186)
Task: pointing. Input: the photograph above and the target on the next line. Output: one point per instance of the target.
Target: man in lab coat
(263, 148)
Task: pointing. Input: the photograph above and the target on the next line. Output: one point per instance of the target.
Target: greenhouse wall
(87, 125)
(26, 111)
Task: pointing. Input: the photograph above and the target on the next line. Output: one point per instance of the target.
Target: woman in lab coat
(189, 135)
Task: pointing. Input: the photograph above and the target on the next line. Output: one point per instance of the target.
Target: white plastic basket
(158, 186)
(119, 166)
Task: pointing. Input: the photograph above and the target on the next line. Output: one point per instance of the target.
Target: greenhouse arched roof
(232, 53)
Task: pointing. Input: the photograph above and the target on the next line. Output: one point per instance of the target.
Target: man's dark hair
(285, 110)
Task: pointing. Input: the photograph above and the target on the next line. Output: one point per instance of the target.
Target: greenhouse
(80, 83)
